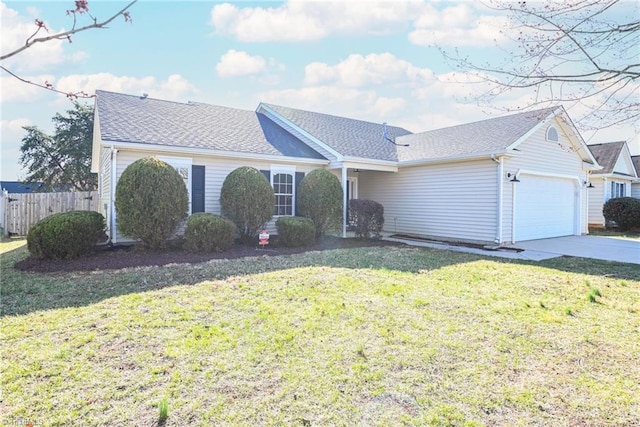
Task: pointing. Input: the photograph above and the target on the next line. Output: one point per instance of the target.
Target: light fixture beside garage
(513, 177)
(590, 185)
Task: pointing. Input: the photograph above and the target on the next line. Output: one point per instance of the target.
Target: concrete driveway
(597, 247)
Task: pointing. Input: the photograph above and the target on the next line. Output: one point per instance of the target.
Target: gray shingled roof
(349, 137)
(636, 164)
(606, 155)
(486, 136)
(128, 118)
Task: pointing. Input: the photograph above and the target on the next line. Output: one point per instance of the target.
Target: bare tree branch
(66, 34)
(567, 51)
(48, 86)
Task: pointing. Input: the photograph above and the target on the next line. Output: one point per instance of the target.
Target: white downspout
(500, 163)
(114, 171)
(513, 211)
(344, 202)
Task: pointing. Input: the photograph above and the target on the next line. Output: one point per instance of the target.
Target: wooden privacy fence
(21, 211)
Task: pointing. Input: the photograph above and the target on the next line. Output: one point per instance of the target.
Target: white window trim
(181, 162)
(289, 170)
(623, 187)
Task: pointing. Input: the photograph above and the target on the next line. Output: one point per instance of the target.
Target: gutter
(449, 159)
(134, 146)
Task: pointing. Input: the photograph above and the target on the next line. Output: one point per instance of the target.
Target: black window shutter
(299, 176)
(267, 174)
(197, 189)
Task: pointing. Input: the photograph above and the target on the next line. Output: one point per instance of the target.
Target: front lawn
(365, 336)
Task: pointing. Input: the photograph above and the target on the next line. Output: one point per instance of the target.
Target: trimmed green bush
(295, 231)
(320, 198)
(624, 211)
(151, 201)
(207, 232)
(248, 200)
(367, 217)
(66, 235)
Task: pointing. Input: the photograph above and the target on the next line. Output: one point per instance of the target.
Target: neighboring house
(507, 179)
(17, 187)
(635, 186)
(615, 179)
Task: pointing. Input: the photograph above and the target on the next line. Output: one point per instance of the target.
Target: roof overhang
(157, 148)
(458, 158)
(365, 164)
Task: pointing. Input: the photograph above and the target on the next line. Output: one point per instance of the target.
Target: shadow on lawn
(24, 292)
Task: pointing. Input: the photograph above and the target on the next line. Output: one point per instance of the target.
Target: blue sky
(361, 59)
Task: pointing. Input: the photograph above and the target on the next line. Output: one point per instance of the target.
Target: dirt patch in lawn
(117, 257)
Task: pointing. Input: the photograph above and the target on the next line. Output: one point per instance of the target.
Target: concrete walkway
(595, 247)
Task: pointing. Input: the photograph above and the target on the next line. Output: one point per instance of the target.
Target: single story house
(501, 180)
(615, 179)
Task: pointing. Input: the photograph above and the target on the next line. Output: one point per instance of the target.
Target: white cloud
(15, 90)
(12, 134)
(303, 20)
(16, 29)
(458, 25)
(174, 87)
(13, 126)
(238, 63)
(355, 103)
(373, 69)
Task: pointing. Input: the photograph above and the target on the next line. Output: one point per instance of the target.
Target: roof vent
(144, 96)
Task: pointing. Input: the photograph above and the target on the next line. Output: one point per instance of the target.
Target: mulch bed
(117, 257)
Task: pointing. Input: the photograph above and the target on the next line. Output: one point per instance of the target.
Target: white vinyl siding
(104, 185)
(596, 201)
(453, 201)
(537, 154)
(635, 190)
(216, 171)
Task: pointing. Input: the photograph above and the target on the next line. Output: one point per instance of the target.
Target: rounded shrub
(207, 232)
(320, 198)
(151, 201)
(66, 235)
(368, 217)
(295, 231)
(248, 200)
(623, 211)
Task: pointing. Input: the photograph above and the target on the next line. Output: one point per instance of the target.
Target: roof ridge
(333, 115)
(489, 119)
(186, 104)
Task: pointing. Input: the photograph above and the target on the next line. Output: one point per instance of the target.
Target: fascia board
(212, 153)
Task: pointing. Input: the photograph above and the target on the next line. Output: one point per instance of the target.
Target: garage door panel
(545, 207)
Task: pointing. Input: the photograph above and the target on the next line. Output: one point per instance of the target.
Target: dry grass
(367, 336)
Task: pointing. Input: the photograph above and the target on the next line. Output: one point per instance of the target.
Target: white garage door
(545, 207)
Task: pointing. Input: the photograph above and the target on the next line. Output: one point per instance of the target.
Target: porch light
(588, 186)
(513, 177)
